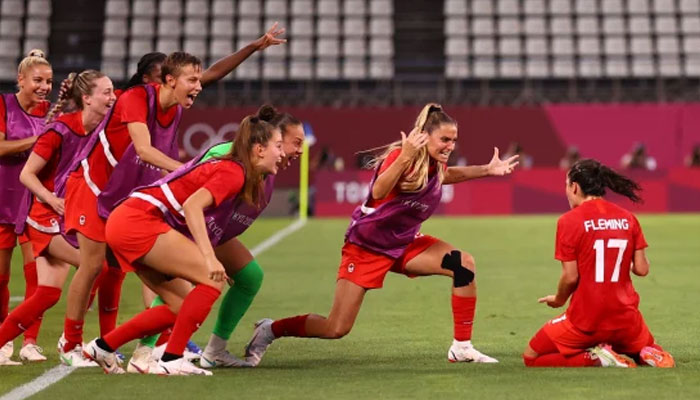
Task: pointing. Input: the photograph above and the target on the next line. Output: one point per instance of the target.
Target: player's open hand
(57, 203)
(270, 38)
(411, 144)
(498, 167)
(551, 301)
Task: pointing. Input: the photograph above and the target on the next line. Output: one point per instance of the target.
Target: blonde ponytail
(34, 57)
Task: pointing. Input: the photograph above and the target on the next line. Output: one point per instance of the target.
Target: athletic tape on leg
(462, 276)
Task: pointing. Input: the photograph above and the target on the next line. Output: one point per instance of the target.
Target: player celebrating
(140, 231)
(384, 236)
(598, 244)
(50, 162)
(21, 121)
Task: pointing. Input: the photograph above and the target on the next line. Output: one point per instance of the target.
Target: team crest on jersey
(351, 267)
(81, 220)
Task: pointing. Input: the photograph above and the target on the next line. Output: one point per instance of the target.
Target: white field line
(16, 299)
(55, 374)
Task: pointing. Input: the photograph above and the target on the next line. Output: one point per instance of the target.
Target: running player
(44, 174)
(140, 231)
(384, 236)
(599, 244)
(21, 121)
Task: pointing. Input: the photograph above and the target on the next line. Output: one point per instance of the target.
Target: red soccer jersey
(131, 106)
(222, 178)
(48, 147)
(39, 110)
(602, 238)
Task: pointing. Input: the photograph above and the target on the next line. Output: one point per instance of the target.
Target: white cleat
(142, 361)
(107, 360)
(262, 338)
(609, 358)
(8, 349)
(74, 357)
(465, 352)
(181, 366)
(6, 362)
(32, 353)
(221, 359)
(159, 350)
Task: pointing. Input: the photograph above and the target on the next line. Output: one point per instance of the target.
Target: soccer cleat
(107, 360)
(73, 357)
(221, 359)
(7, 349)
(159, 350)
(193, 348)
(142, 361)
(180, 366)
(32, 353)
(262, 338)
(465, 352)
(120, 357)
(656, 357)
(609, 358)
(6, 362)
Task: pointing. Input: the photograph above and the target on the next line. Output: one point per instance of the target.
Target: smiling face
(186, 86)
(36, 83)
(102, 97)
(442, 141)
(270, 155)
(292, 144)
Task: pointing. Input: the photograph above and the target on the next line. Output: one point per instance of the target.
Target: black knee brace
(462, 276)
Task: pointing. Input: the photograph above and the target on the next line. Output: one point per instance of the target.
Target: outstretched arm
(496, 167)
(227, 64)
(567, 285)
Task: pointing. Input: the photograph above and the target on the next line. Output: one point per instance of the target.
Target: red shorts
(81, 211)
(560, 335)
(43, 227)
(8, 237)
(367, 268)
(132, 232)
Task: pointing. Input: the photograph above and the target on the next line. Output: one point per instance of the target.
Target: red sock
(98, 282)
(147, 323)
(293, 326)
(109, 293)
(30, 281)
(164, 337)
(4, 296)
(73, 333)
(193, 312)
(27, 313)
(463, 315)
(582, 359)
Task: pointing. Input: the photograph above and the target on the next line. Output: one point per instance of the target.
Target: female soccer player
(384, 236)
(140, 231)
(598, 244)
(21, 121)
(50, 163)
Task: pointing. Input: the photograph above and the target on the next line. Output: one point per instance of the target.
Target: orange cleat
(657, 358)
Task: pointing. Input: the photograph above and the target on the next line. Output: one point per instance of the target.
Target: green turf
(398, 346)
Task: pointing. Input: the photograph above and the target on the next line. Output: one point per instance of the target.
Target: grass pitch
(399, 344)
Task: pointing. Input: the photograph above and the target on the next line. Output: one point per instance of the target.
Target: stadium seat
(328, 8)
(381, 47)
(692, 66)
(143, 8)
(381, 8)
(114, 69)
(302, 8)
(670, 66)
(10, 27)
(327, 69)
(534, 7)
(249, 8)
(169, 9)
(115, 28)
(381, 68)
(537, 67)
(665, 25)
(641, 45)
(34, 43)
(142, 28)
(482, 26)
(643, 66)
(353, 26)
(689, 6)
(455, 7)
(690, 24)
(510, 67)
(196, 28)
(327, 47)
(382, 26)
(616, 67)
(456, 26)
(638, 7)
(612, 7)
(509, 46)
(614, 25)
(615, 45)
(200, 8)
(590, 67)
(274, 69)
(353, 47)
(560, 7)
(691, 44)
(587, 26)
(482, 7)
(195, 46)
(508, 8)
(303, 27)
(484, 67)
(561, 25)
(536, 46)
(300, 68)
(509, 26)
(457, 68)
(586, 7)
(249, 70)
(535, 25)
(36, 28)
(39, 8)
(222, 27)
(168, 45)
(276, 51)
(563, 67)
(483, 47)
(220, 48)
(12, 8)
(562, 46)
(117, 8)
(139, 47)
(639, 24)
(111, 48)
(301, 47)
(664, 7)
(354, 68)
(354, 8)
(667, 45)
(276, 9)
(589, 46)
(249, 27)
(8, 69)
(456, 46)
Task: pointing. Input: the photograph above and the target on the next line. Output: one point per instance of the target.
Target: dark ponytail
(280, 120)
(594, 177)
(145, 66)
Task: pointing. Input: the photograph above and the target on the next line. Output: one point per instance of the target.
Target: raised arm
(29, 178)
(567, 285)
(227, 64)
(8, 147)
(640, 264)
(142, 144)
(387, 179)
(496, 167)
(194, 217)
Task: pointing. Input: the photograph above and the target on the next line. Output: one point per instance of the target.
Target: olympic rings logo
(212, 136)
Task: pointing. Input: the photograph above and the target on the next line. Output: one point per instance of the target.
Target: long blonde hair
(416, 178)
(77, 86)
